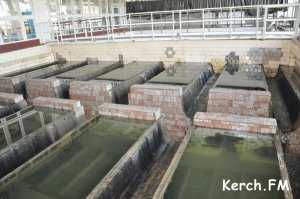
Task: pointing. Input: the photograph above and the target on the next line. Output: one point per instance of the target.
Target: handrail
(229, 22)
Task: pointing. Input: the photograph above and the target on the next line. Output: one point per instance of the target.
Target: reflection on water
(207, 161)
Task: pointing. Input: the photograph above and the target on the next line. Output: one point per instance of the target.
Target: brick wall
(8, 84)
(59, 104)
(169, 99)
(293, 145)
(129, 111)
(235, 122)
(240, 102)
(91, 94)
(44, 88)
(9, 98)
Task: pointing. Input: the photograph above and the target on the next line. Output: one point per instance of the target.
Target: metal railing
(259, 22)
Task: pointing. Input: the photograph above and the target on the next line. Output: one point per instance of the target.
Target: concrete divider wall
(240, 102)
(235, 122)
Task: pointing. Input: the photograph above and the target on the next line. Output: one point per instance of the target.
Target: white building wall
(270, 53)
(26, 58)
(41, 19)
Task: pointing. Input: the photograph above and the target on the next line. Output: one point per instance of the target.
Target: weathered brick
(44, 88)
(60, 104)
(10, 98)
(170, 101)
(129, 111)
(293, 145)
(235, 122)
(240, 102)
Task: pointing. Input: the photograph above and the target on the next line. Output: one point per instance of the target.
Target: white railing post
(180, 24)
(265, 22)
(203, 24)
(91, 29)
(107, 27)
(152, 25)
(57, 33)
(60, 32)
(257, 20)
(297, 16)
(42, 119)
(230, 23)
(6, 131)
(74, 30)
(173, 24)
(20, 121)
(130, 26)
(85, 29)
(112, 28)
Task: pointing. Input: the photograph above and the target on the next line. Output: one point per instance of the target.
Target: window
(13, 25)
(94, 7)
(85, 7)
(8, 8)
(70, 7)
(12, 30)
(103, 5)
(53, 9)
(30, 30)
(25, 7)
(116, 10)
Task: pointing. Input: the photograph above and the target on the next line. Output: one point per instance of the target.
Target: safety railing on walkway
(259, 22)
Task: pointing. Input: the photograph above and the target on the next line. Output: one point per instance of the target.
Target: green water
(207, 161)
(74, 172)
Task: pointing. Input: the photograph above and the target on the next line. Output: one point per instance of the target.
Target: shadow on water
(223, 141)
(265, 152)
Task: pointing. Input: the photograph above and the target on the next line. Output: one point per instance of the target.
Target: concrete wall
(271, 53)
(26, 58)
(267, 52)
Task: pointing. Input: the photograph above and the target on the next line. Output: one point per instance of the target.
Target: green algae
(76, 170)
(208, 160)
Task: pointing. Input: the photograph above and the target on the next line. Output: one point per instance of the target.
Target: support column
(6, 132)
(21, 124)
(42, 119)
(40, 10)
